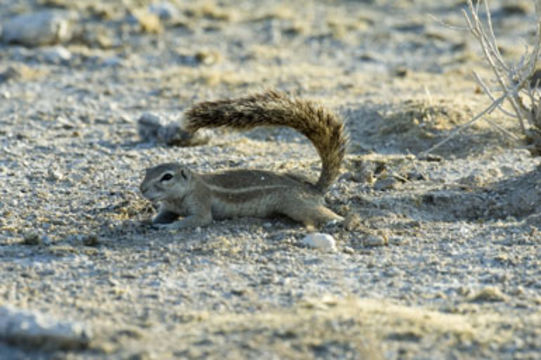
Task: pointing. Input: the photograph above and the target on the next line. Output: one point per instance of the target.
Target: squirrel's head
(166, 182)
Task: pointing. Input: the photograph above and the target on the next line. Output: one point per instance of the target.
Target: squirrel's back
(322, 127)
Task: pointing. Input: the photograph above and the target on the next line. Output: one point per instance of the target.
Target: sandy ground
(440, 258)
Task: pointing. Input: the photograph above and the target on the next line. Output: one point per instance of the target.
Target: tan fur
(199, 198)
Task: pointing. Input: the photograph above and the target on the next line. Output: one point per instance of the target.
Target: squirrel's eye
(166, 177)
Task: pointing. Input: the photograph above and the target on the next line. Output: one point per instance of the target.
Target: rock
(400, 72)
(374, 240)
(30, 329)
(348, 250)
(32, 238)
(54, 175)
(164, 10)
(489, 294)
(56, 54)
(415, 175)
(150, 129)
(147, 21)
(173, 135)
(148, 126)
(324, 242)
(385, 183)
(396, 240)
(39, 28)
(64, 123)
(91, 240)
(207, 57)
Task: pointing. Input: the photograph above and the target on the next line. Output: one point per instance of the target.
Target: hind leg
(312, 215)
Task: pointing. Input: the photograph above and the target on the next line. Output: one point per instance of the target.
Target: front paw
(334, 222)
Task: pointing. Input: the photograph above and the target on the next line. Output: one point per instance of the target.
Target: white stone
(30, 329)
(39, 28)
(320, 241)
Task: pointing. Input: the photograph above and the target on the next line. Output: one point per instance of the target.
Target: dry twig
(514, 80)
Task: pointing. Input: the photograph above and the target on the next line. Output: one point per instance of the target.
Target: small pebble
(489, 294)
(396, 240)
(148, 22)
(165, 10)
(374, 240)
(54, 175)
(91, 240)
(386, 183)
(400, 72)
(324, 242)
(348, 250)
(32, 238)
(207, 57)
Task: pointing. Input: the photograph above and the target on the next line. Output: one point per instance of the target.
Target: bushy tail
(271, 108)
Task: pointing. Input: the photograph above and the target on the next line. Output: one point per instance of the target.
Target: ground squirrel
(200, 198)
